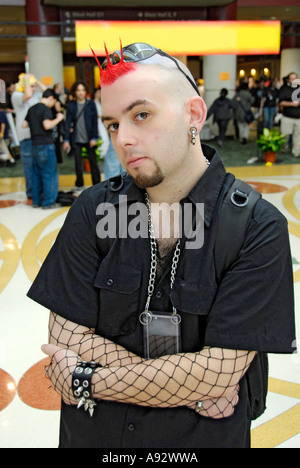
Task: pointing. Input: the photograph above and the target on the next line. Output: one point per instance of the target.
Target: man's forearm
(176, 380)
(88, 345)
(288, 104)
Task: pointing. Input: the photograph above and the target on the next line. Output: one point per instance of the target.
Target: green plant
(97, 151)
(271, 140)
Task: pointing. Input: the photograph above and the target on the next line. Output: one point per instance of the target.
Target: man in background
(24, 97)
(290, 122)
(44, 174)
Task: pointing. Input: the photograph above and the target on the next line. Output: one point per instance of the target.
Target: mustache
(135, 154)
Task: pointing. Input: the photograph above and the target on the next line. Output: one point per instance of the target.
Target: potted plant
(271, 141)
(86, 163)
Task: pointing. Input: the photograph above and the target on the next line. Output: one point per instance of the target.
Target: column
(290, 53)
(44, 44)
(219, 71)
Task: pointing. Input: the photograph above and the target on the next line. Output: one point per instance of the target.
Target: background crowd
(46, 125)
(265, 101)
(43, 126)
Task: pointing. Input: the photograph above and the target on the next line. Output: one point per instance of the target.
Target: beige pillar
(219, 71)
(45, 57)
(290, 62)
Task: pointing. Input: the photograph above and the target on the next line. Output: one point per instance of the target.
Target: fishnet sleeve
(212, 375)
(175, 380)
(88, 345)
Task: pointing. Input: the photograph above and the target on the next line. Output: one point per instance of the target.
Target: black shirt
(286, 93)
(270, 94)
(106, 288)
(3, 119)
(35, 117)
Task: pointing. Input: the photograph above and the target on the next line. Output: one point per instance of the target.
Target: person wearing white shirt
(24, 97)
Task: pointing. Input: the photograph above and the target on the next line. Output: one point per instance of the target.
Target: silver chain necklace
(145, 316)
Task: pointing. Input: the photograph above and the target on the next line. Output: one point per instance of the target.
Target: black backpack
(236, 211)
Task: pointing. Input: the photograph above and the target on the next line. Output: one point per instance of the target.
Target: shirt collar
(207, 189)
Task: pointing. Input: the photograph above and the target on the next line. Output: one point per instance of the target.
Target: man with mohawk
(145, 335)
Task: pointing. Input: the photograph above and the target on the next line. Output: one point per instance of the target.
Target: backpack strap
(113, 186)
(236, 211)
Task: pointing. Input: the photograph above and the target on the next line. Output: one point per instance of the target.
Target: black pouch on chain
(161, 334)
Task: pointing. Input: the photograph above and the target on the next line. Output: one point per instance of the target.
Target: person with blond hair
(25, 96)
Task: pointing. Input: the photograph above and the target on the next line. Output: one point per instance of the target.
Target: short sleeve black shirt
(104, 286)
(286, 93)
(35, 117)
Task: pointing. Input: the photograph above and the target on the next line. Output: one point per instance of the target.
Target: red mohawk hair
(113, 72)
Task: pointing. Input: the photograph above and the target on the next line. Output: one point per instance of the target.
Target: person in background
(269, 104)
(289, 102)
(103, 135)
(221, 109)
(8, 107)
(244, 101)
(60, 129)
(44, 177)
(59, 90)
(112, 166)
(82, 131)
(25, 96)
(5, 155)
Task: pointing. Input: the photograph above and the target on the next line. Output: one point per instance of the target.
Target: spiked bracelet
(81, 385)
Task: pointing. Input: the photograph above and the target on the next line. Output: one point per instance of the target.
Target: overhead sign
(181, 37)
(70, 15)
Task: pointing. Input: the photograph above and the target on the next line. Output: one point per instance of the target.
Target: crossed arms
(211, 375)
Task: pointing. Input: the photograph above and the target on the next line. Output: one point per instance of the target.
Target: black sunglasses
(138, 52)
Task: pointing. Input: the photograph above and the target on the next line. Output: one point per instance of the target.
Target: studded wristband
(81, 385)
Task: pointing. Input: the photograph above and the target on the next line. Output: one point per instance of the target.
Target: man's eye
(142, 116)
(113, 127)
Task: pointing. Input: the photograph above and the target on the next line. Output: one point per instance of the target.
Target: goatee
(144, 181)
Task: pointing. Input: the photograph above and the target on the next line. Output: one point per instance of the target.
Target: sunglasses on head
(138, 52)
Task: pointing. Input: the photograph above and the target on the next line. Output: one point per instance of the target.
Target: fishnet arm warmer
(175, 380)
(212, 375)
(86, 344)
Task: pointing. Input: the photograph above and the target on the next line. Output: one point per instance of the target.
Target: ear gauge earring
(193, 131)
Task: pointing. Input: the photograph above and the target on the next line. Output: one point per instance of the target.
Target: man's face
(147, 126)
(80, 92)
(293, 77)
(51, 101)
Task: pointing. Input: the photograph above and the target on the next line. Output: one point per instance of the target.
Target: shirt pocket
(119, 291)
(193, 298)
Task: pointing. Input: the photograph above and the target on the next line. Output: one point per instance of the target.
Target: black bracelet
(81, 385)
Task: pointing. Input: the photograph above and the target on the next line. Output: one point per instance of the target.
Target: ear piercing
(193, 131)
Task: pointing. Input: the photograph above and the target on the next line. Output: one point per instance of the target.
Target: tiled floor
(29, 409)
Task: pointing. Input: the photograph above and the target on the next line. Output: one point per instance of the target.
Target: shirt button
(110, 282)
(131, 427)
(158, 294)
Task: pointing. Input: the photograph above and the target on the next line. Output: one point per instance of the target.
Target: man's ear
(197, 111)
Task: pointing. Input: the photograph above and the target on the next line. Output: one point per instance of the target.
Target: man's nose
(126, 135)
